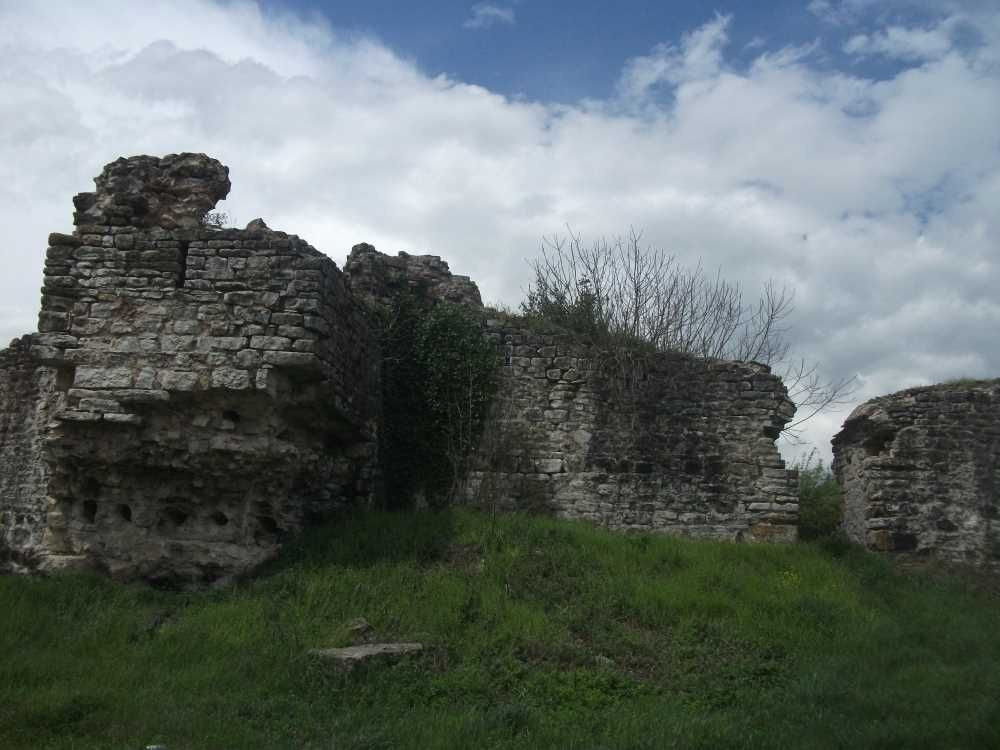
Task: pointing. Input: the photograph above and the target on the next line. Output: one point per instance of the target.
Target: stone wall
(666, 443)
(920, 471)
(218, 388)
(195, 396)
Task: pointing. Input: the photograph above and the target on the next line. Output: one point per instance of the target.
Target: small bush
(820, 499)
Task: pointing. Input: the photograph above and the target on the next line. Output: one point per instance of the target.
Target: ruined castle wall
(920, 470)
(220, 386)
(663, 442)
(27, 402)
(668, 442)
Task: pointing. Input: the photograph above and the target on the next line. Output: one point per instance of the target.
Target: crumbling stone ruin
(191, 397)
(667, 442)
(920, 470)
(194, 396)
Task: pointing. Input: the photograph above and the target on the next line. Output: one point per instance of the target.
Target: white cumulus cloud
(875, 200)
(485, 15)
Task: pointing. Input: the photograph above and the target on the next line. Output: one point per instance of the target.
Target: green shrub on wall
(439, 375)
(820, 501)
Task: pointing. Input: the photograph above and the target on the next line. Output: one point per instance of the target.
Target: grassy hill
(539, 633)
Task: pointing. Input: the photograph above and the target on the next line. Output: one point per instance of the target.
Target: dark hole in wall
(267, 528)
(175, 516)
(182, 260)
(904, 542)
(220, 518)
(125, 512)
(90, 487)
(268, 524)
(876, 442)
(89, 510)
(231, 414)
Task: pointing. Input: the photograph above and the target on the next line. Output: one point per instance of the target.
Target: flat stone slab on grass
(350, 656)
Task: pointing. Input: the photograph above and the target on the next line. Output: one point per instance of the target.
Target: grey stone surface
(920, 471)
(381, 278)
(175, 191)
(350, 656)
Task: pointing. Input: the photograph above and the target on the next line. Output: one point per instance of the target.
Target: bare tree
(216, 220)
(629, 297)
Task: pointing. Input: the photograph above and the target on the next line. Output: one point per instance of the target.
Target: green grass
(540, 634)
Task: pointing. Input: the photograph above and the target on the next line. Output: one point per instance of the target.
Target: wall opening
(89, 510)
(182, 261)
(125, 512)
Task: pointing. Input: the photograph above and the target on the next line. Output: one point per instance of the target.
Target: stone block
(248, 358)
(58, 239)
(173, 380)
(230, 378)
(270, 342)
(102, 377)
(291, 359)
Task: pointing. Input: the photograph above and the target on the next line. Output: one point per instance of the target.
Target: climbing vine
(438, 378)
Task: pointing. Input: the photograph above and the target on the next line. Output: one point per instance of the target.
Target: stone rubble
(351, 656)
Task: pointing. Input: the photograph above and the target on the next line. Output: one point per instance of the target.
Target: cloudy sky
(847, 148)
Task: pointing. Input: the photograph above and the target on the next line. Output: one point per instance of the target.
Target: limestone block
(102, 377)
(228, 377)
(270, 342)
(174, 380)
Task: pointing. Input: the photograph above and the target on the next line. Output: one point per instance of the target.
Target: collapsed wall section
(663, 442)
(218, 389)
(920, 471)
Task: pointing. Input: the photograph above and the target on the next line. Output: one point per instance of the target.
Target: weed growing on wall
(439, 375)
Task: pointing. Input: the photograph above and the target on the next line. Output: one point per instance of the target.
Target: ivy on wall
(438, 378)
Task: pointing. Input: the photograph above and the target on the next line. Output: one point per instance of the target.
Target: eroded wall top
(174, 191)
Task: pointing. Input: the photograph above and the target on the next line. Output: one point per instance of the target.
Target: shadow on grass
(365, 538)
